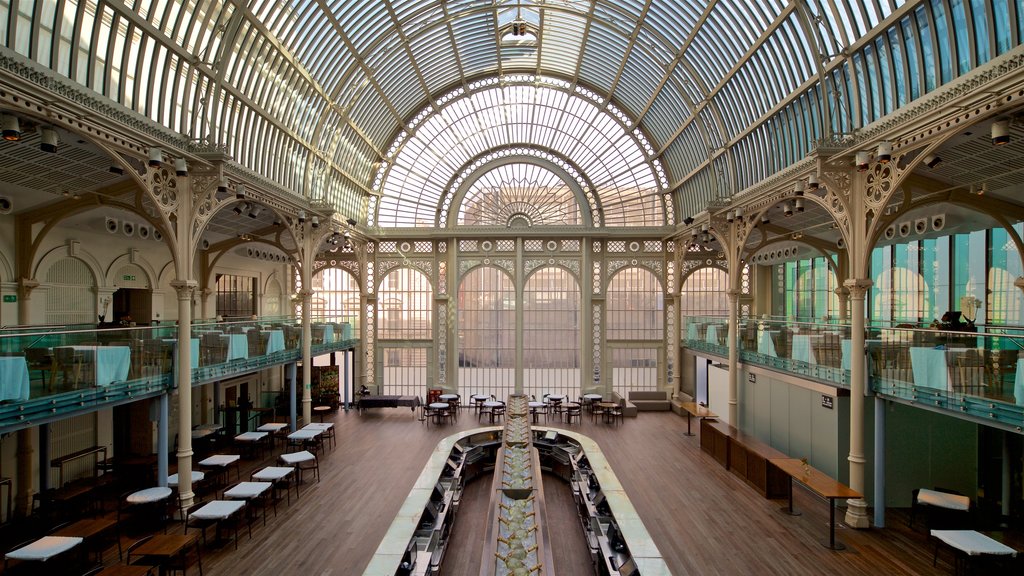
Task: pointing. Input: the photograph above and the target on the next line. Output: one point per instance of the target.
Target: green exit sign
(10, 298)
(128, 277)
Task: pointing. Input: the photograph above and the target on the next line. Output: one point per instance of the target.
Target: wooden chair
(67, 360)
(573, 411)
(498, 412)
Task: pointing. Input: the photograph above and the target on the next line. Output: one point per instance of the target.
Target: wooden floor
(703, 519)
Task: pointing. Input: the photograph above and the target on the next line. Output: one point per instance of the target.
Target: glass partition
(46, 372)
(975, 373)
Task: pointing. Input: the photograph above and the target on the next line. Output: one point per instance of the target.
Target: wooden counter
(745, 456)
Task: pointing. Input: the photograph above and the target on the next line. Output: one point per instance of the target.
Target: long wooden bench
(745, 456)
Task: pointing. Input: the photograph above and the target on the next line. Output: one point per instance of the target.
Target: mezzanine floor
(704, 519)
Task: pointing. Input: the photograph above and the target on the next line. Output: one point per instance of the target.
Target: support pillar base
(857, 514)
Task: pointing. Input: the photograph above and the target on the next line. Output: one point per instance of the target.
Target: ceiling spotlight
(1000, 132)
(862, 161)
(787, 208)
(729, 216)
(932, 160)
(884, 152)
(688, 220)
(255, 212)
(798, 188)
(799, 204)
(11, 127)
(704, 227)
(302, 216)
(812, 182)
(314, 221)
(222, 185)
(351, 221)
(739, 213)
(156, 157)
(116, 170)
(180, 167)
(239, 191)
(241, 208)
(48, 140)
(764, 219)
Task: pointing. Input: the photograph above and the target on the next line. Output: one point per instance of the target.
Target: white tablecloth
(1018, 383)
(765, 344)
(218, 510)
(197, 476)
(272, 427)
(221, 460)
(194, 349)
(45, 548)
(802, 349)
(943, 500)
(711, 334)
(273, 473)
(274, 340)
(973, 543)
(14, 382)
(237, 344)
(148, 495)
(247, 490)
(297, 457)
(251, 436)
(307, 433)
(110, 363)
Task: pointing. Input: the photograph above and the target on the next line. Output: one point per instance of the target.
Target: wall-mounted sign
(752, 378)
(128, 278)
(826, 401)
(10, 298)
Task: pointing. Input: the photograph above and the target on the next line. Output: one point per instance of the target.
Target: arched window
(635, 325)
(69, 299)
(487, 333)
(551, 333)
(704, 293)
(406, 304)
(404, 329)
(337, 296)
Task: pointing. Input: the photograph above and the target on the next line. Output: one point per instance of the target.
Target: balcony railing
(979, 374)
(49, 373)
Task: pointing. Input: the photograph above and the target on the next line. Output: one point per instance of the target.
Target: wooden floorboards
(703, 519)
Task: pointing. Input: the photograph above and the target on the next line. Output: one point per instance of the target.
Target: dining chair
(573, 411)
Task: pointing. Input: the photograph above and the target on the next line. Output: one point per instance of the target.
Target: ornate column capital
(304, 294)
(734, 293)
(858, 287)
(26, 286)
(184, 288)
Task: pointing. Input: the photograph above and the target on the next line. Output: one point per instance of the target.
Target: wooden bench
(60, 462)
(745, 456)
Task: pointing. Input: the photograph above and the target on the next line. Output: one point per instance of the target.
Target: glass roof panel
(538, 117)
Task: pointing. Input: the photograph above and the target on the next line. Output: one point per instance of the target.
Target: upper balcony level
(972, 375)
(49, 373)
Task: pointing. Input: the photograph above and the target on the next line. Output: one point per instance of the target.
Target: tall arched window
(635, 326)
(551, 333)
(487, 333)
(337, 296)
(704, 293)
(70, 299)
(404, 331)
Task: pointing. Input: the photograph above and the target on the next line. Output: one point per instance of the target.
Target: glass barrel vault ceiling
(313, 95)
